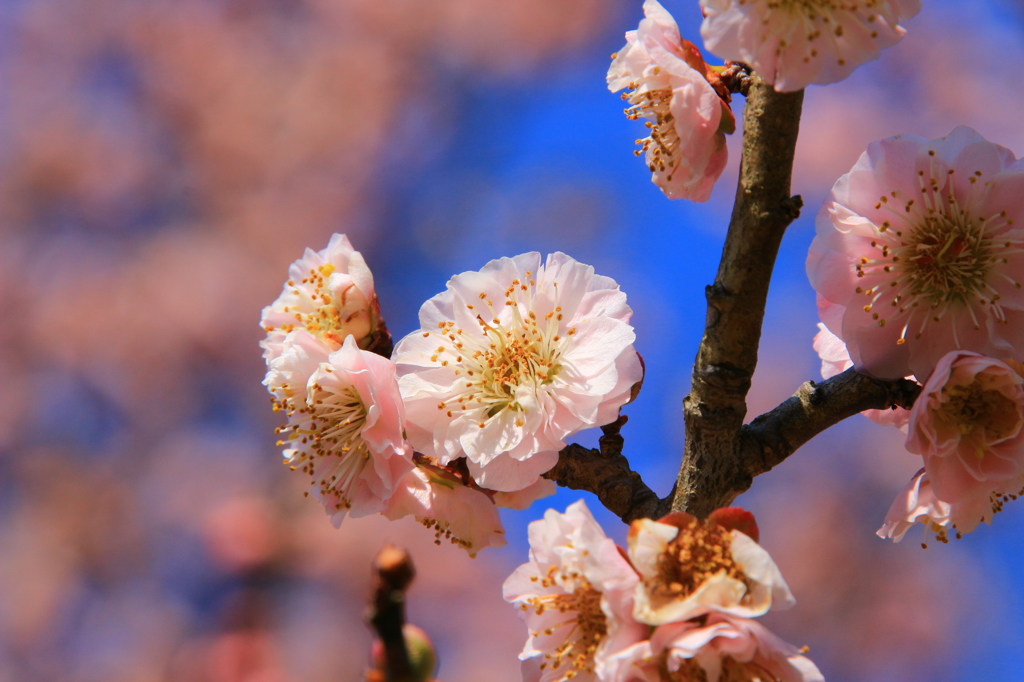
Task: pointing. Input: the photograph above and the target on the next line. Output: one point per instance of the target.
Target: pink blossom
(835, 359)
(917, 503)
(345, 419)
(919, 252)
(522, 499)
(439, 500)
(722, 648)
(689, 568)
(576, 596)
(512, 360)
(967, 425)
(329, 293)
(794, 44)
(668, 84)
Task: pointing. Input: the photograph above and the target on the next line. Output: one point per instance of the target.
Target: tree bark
(775, 435)
(716, 406)
(606, 473)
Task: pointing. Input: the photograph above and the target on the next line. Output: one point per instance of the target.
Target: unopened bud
(394, 566)
(422, 656)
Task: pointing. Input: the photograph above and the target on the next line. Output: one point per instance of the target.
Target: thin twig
(394, 571)
(606, 473)
(763, 209)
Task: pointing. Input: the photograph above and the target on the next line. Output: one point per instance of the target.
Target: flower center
(505, 365)
(335, 452)
(662, 144)
(694, 555)
(813, 7)
(973, 408)
(736, 671)
(587, 626)
(732, 671)
(321, 313)
(689, 671)
(947, 259)
(808, 5)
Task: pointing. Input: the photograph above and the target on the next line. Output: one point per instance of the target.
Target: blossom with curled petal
(442, 502)
(576, 596)
(722, 648)
(329, 294)
(687, 117)
(512, 360)
(345, 418)
(793, 43)
(522, 499)
(917, 503)
(920, 251)
(688, 568)
(968, 425)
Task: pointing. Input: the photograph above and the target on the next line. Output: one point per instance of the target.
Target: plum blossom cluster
(675, 607)
(471, 409)
(683, 100)
(918, 263)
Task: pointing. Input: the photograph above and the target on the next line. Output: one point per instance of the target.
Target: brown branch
(763, 209)
(775, 435)
(394, 571)
(606, 473)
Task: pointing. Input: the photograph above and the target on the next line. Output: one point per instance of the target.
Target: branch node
(606, 473)
(736, 77)
(791, 207)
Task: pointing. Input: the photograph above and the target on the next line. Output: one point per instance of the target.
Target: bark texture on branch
(716, 406)
(606, 473)
(775, 435)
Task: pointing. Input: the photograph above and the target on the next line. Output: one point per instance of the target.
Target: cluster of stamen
(316, 309)
(689, 670)
(324, 435)
(442, 531)
(751, 671)
(585, 624)
(662, 145)
(696, 554)
(501, 364)
(947, 260)
(997, 501)
(828, 13)
(812, 7)
(732, 670)
(973, 408)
